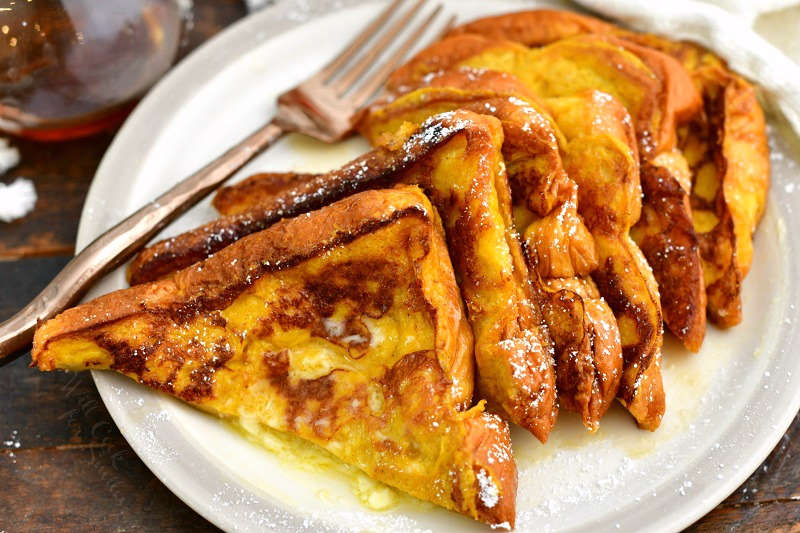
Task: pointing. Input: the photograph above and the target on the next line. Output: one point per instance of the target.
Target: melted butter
(299, 453)
(687, 377)
(316, 156)
(316, 359)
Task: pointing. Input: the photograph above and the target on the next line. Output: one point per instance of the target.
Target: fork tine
(367, 60)
(371, 84)
(359, 41)
(448, 26)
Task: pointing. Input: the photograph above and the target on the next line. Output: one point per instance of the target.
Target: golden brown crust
(257, 331)
(692, 56)
(600, 155)
(375, 169)
(255, 190)
(588, 347)
(491, 452)
(559, 245)
(587, 344)
(468, 184)
(559, 248)
(677, 101)
(747, 173)
(530, 143)
(537, 27)
(677, 98)
(743, 170)
(563, 68)
(666, 236)
(480, 474)
(511, 345)
(726, 147)
(444, 55)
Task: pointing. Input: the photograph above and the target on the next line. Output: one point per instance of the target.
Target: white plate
(726, 406)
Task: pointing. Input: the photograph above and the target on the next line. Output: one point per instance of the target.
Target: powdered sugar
(9, 156)
(488, 492)
(16, 199)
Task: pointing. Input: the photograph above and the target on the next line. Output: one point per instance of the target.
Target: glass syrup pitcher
(69, 68)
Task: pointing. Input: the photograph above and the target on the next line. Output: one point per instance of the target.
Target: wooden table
(63, 463)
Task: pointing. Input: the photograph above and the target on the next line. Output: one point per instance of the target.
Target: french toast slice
(560, 250)
(656, 98)
(256, 190)
(467, 182)
(600, 155)
(376, 169)
(678, 98)
(727, 149)
(725, 141)
(563, 68)
(588, 378)
(665, 233)
(535, 27)
(455, 157)
(530, 136)
(344, 327)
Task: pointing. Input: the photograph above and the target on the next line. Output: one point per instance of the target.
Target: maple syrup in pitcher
(70, 68)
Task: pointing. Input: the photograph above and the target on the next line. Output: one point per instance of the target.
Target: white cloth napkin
(728, 34)
(751, 9)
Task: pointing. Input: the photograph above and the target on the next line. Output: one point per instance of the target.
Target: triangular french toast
(726, 146)
(456, 158)
(344, 326)
(600, 155)
(560, 249)
(563, 68)
(466, 180)
(600, 150)
(677, 99)
(655, 89)
(724, 141)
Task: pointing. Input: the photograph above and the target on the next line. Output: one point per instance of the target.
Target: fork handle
(120, 242)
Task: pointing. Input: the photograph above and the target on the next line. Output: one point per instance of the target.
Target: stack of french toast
(544, 193)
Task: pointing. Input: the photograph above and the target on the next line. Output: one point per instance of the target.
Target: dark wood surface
(63, 463)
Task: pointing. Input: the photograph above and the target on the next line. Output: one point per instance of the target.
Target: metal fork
(324, 106)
